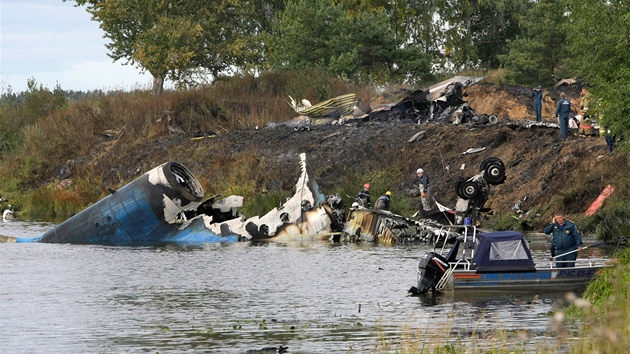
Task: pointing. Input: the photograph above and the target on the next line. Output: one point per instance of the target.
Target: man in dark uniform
(382, 203)
(566, 238)
(538, 96)
(563, 109)
(363, 197)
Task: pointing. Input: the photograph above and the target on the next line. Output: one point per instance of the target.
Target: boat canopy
(502, 251)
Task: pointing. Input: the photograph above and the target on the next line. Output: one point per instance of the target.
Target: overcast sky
(54, 42)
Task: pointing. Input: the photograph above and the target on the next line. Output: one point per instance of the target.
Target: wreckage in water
(165, 206)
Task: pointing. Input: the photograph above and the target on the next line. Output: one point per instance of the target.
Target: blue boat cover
(502, 251)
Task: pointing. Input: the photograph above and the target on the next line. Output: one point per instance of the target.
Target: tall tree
(537, 55)
(475, 31)
(172, 39)
(599, 38)
(356, 43)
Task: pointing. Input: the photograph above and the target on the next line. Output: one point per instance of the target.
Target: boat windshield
(512, 249)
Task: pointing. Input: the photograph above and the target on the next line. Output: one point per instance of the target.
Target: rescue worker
(382, 203)
(538, 98)
(424, 192)
(585, 100)
(566, 238)
(610, 140)
(563, 109)
(363, 197)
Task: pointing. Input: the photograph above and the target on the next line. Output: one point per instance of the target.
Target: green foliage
(360, 45)
(316, 84)
(613, 223)
(599, 40)
(477, 31)
(15, 115)
(179, 40)
(261, 203)
(504, 220)
(536, 55)
(606, 313)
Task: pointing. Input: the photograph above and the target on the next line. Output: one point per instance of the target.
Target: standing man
(585, 100)
(566, 238)
(563, 109)
(363, 197)
(538, 97)
(610, 140)
(424, 192)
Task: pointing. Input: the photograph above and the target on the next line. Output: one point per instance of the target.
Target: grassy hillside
(60, 156)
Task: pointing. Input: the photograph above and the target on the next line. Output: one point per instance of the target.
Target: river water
(312, 297)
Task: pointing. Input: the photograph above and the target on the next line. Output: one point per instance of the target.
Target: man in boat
(382, 203)
(363, 197)
(566, 238)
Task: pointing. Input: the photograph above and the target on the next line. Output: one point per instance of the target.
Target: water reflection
(314, 297)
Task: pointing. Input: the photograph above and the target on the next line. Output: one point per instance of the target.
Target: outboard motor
(430, 270)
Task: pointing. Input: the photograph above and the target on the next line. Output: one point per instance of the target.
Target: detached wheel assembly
(469, 190)
(494, 174)
(493, 170)
(490, 161)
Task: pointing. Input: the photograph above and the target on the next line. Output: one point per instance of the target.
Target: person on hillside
(382, 203)
(363, 197)
(585, 100)
(538, 98)
(566, 238)
(424, 206)
(610, 140)
(563, 109)
(8, 215)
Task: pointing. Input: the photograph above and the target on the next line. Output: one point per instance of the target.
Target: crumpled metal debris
(441, 103)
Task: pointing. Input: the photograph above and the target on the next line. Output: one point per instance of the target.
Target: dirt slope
(539, 165)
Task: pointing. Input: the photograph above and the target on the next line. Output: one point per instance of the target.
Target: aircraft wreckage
(166, 206)
(371, 225)
(440, 103)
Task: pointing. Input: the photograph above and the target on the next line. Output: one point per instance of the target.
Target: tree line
(191, 42)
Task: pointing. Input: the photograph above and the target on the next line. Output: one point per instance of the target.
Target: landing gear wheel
(490, 161)
(494, 174)
(469, 190)
(458, 187)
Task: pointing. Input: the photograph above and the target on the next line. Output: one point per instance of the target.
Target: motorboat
(499, 261)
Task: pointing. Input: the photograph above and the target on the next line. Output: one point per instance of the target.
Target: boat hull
(553, 279)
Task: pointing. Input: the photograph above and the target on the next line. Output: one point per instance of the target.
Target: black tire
(470, 190)
(490, 161)
(494, 174)
(458, 187)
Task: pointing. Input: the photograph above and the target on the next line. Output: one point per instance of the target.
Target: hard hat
(420, 170)
(355, 205)
(367, 185)
(388, 193)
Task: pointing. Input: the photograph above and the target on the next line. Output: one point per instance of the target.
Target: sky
(55, 42)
